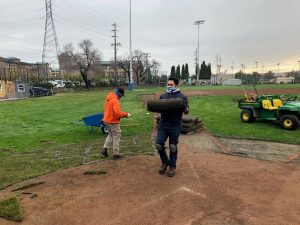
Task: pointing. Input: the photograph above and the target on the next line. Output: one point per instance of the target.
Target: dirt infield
(213, 185)
(241, 92)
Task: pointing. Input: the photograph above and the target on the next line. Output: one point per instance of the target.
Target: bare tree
(86, 59)
(140, 65)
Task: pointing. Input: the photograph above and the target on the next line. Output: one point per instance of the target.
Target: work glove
(128, 115)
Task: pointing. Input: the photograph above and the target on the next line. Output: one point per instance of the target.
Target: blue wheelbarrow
(95, 121)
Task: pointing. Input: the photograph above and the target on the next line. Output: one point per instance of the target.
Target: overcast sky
(239, 31)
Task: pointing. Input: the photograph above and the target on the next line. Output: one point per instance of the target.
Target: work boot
(171, 172)
(117, 156)
(163, 168)
(104, 152)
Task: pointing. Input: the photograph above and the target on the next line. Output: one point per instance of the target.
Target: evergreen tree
(203, 70)
(182, 71)
(186, 72)
(177, 75)
(209, 71)
(172, 71)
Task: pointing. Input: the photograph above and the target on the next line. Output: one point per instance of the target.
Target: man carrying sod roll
(170, 127)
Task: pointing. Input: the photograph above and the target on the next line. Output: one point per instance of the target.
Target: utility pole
(242, 65)
(147, 65)
(50, 41)
(278, 69)
(198, 22)
(218, 59)
(196, 63)
(115, 44)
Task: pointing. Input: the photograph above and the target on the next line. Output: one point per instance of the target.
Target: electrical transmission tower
(50, 46)
(115, 45)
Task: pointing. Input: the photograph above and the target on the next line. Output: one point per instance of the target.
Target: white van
(58, 83)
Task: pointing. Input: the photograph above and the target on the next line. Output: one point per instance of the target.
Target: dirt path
(209, 188)
(241, 92)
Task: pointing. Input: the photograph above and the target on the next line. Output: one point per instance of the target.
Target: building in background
(107, 67)
(13, 69)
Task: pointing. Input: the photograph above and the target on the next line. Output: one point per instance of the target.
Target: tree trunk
(85, 79)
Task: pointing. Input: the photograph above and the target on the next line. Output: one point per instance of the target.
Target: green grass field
(40, 135)
(221, 117)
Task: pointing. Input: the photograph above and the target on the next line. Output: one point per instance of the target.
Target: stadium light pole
(131, 84)
(256, 66)
(198, 22)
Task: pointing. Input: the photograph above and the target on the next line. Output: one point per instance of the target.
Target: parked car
(39, 91)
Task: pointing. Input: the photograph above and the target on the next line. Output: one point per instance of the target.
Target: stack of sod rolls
(189, 124)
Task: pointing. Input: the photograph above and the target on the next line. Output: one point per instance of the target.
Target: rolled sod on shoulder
(166, 105)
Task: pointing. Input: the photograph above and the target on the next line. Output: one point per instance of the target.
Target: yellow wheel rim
(245, 116)
(287, 123)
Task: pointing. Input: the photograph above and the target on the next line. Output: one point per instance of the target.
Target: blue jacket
(173, 119)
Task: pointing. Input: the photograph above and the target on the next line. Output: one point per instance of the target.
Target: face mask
(171, 89)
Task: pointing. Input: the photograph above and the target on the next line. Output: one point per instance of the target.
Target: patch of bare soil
(209, 188)
(241, 92)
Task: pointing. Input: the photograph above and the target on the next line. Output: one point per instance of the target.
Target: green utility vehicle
(280, 108)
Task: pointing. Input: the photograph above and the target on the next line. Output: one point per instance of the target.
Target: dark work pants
(163, 133)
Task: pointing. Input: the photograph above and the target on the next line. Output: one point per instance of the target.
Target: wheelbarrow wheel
(104, 129)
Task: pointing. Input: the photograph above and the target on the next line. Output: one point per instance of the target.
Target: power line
(69, 22)
(20, 13)
(20, 3)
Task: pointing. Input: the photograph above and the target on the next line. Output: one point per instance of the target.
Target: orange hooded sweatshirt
(112, 110)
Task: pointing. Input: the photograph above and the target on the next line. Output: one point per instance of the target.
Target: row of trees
(183, 74)
(141, 66)
(87, 60)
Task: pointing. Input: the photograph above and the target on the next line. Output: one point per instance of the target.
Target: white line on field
(183, 188)
(193, 170)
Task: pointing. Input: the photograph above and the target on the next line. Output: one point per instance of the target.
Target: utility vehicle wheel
(247, 116)
(104, 129)
(289, 121)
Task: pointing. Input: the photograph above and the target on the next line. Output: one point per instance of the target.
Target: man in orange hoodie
(112, 116)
